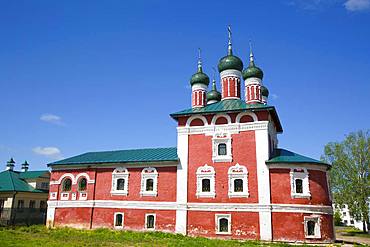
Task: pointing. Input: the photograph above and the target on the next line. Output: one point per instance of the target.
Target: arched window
(206, 181)
(238, 181)
(222, 149)
(149, 184)
(67, 185)
(223, 222)
(82, 184)
(206, 185)
(238, 185)
(299, 186)
(120, 184)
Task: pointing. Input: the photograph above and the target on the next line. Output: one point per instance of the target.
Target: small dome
(230, 62)
(213, 94)
(199, 77)
(252, 71)
(264, 91)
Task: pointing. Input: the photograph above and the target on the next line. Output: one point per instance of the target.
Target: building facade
(226, 178)
(23, 195)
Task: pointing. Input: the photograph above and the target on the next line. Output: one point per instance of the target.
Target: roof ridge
(133, 149)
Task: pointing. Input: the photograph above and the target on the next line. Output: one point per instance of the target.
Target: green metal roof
(122, 156)
(285, 156)
(33, 174)
(12, 181)
(230, 105)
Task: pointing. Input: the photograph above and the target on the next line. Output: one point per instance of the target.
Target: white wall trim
(215, 117)
(204, 120)
(308, 166)
(73, 178)
(242, 114)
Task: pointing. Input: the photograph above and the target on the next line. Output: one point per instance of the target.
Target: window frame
(149, 173)
(115, 220)
(317, 220)
(79, 183)
(120, 173)
(206, 172)
(300, 173)
(218, 217)
(63, 189)
(222, 138)
(238, 172)
(32, 203)
(146, 221)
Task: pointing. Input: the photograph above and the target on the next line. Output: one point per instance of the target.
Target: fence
(22, 216)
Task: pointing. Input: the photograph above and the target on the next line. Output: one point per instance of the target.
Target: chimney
(10, 165)
(25, 166)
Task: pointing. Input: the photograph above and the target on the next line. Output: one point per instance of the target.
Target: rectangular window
(44, 185)
(32, 204)
(150, 221)
(20, 204)
(300, 187)
(312, 226)
(221, 148)
(223, 223)
(149, 182)
(118, 220)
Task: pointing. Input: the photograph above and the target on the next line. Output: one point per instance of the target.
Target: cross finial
(199, 60)
(229, 48)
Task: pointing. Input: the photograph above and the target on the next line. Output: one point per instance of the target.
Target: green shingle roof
(285, 156)
(33, 174)
(230, 105)
(122, 156)
(12, 181)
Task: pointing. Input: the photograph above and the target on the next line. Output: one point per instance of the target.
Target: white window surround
(238, 172)
(146, 222)
(64, 196)
(82, 196)
(300, 173)
(206, 172)
(149, 173)
(120, 173)
(317, 220)
(217, 139)
(53, 195)
(218, 217)
(123, 220)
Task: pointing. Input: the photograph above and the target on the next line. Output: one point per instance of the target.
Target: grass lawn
(351, 231)
(41, 236)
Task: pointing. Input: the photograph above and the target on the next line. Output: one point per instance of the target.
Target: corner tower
(230, 68)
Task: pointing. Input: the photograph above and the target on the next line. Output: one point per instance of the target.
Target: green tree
(349, 176)
(337, 218)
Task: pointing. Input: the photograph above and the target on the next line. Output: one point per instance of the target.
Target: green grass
(351, 231)
(42, 236)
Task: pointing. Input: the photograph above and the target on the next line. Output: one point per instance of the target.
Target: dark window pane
(298, 186)
(32, 204)
(224, 225)
(311, 228)
(119, 219)
(149, 184)
(222, 149)
(67, 185)
(82, 184)
(121, 184)
(238, 185)
(150, 221)
(206, 185)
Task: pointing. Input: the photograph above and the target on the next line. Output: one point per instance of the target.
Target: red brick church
(226, 178)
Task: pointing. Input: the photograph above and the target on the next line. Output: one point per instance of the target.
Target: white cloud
(51, 152)
(274, 96)
(51, 118)
(357, 5)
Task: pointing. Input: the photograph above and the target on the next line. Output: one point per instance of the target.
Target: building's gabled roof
(12, 181)
(230, 105)
(34, 174)
(285, 156)
(122, 156)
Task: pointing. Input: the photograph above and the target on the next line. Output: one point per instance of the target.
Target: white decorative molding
(146, 221)
(119, 173)
(53, 195)
(146, 174)
(84, 174)
(317, 226)
(204, 120)
(217, 116)
(73, 178)
(73, 196)
(218, 217)
(222, 207)
(206, 172)
(307, 166)
(221, 138)
(82, 196)
(231, 72)
(242, 114)
(238, 172)
(64, 196)
(299, 174)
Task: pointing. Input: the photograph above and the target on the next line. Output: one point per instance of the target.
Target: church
(227, 177)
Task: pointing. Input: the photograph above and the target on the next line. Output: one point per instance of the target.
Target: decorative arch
(242, 114)
(202, 118)
(66, 175)
(238, 181)
(215, 117)
(120, 175)
(206, 174)
(149, 182)
(85, 175)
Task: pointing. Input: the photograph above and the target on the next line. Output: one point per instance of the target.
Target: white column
(182, 181)
(263, 178)
(50, 214)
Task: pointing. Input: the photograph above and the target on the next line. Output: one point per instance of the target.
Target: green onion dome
(230, 62)
(199, 77)
(264, 91)
(252, 70)
(213, 94)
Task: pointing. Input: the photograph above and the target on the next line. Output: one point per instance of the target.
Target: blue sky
(80, 76)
